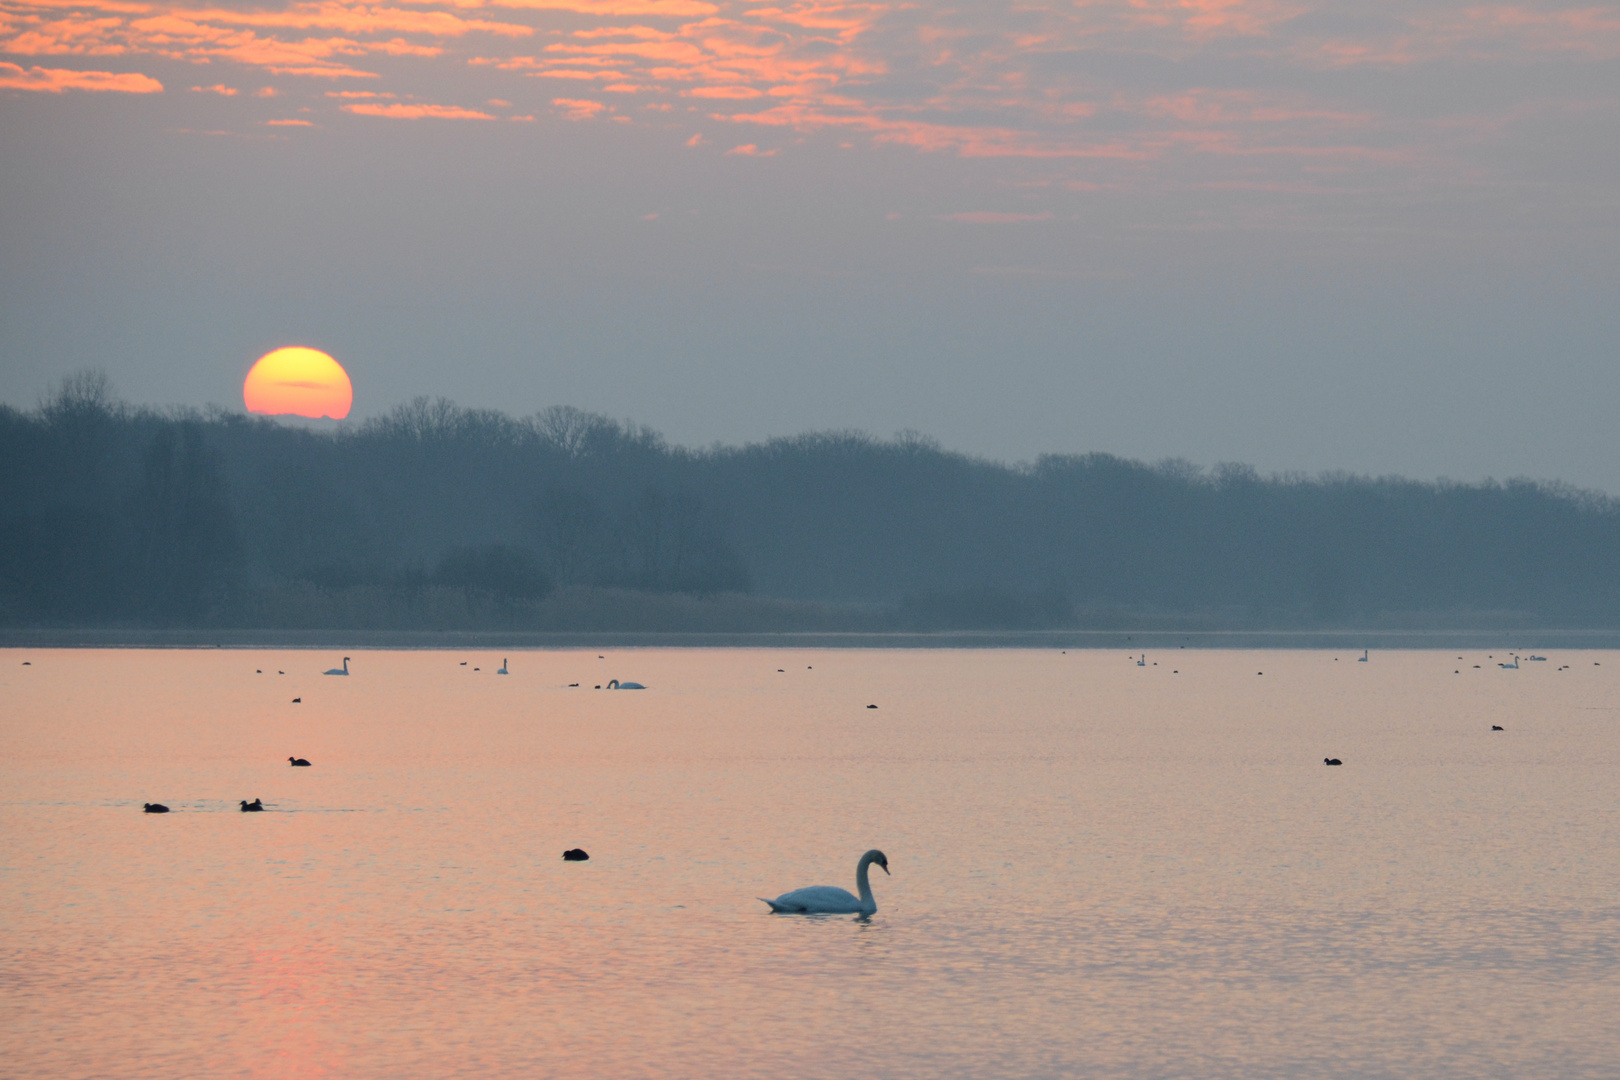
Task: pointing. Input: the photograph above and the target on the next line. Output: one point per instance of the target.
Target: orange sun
(303, 382)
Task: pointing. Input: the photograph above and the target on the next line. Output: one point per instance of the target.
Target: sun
(299, 381)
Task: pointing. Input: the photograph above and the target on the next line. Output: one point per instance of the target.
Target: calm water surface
(1100, 869)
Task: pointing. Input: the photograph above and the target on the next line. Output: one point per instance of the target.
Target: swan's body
(502, 669)
(344, 670)
(831, 900)
(615, 684)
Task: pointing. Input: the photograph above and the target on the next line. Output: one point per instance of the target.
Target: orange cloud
(968, 80)
(612, 8)
(289, 123)
(72, 36)
(736, 93)
(56, 80)
(577, 108)
(401, 111)
(218, 88)
(356, 18)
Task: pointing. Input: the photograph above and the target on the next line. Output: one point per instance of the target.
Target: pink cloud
(217, 88)
(288, 123)
(991, 217)
(56, 80)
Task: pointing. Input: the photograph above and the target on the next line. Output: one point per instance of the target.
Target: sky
(1371, 236)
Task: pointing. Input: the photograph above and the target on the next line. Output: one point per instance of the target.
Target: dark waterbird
(575, 854)
(1331, 761)
(154, 808)
(871, 706)
(251, 807)
(1496, 727)
(298, 701)
(297, 761)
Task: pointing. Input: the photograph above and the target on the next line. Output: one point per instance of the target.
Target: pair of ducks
(247, 807)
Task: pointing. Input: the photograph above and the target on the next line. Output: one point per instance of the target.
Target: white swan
(831, 900)
(1513, 666)
(615, 684)
(502, 669)
(344, 670)
(1363, 658)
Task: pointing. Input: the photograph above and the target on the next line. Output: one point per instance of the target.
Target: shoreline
(1522, 640)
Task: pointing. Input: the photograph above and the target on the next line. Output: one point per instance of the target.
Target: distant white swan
(1363, 658)
(502, 669)
(831, 900)
(1513, 666)
(615, 684)
(1143, 661)
(344, 670)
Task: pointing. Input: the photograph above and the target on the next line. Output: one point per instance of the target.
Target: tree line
(113, 514)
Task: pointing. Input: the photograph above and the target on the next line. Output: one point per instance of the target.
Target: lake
(1100, 869)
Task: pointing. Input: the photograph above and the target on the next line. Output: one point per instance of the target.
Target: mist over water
(1100, 868)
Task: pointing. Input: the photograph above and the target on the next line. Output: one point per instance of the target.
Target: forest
(435, 516)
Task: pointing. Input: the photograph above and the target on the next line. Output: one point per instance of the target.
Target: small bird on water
(154, 808)
(1496, 727)
(575, 854)
(1331, 761)
(251, 807)
(297, 761)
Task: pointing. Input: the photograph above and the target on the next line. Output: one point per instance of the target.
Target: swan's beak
(885, 868)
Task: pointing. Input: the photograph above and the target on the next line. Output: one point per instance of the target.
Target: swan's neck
(863, 883)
